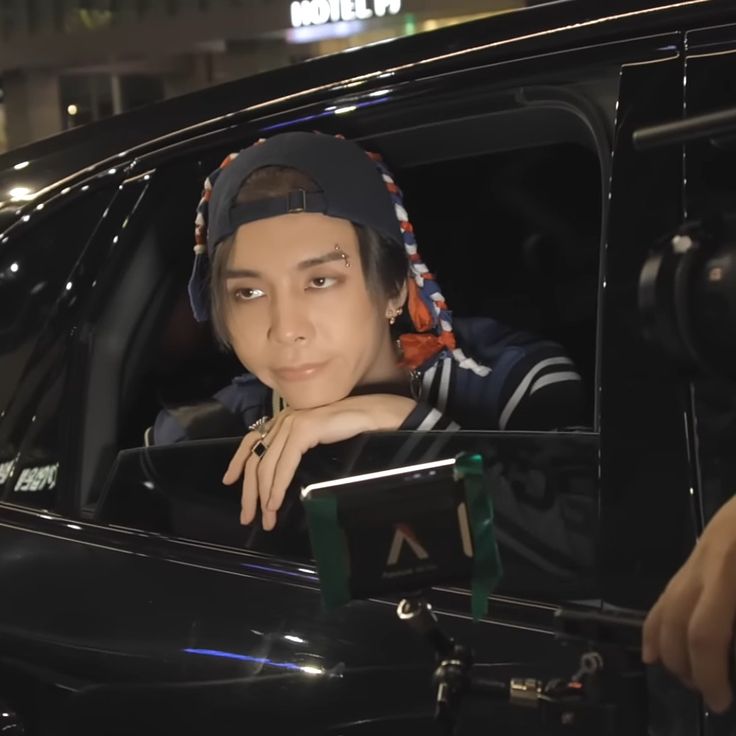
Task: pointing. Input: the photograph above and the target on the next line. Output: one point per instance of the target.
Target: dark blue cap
(350, 186)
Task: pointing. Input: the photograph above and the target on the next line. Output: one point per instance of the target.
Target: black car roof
(549, 25)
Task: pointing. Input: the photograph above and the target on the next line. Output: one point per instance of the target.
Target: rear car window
(37, 259)
(35, 263)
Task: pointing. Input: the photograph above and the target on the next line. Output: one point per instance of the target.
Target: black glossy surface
(236, 637)
(645, 471)
(545, 499)
(106, 629)
(711, 64)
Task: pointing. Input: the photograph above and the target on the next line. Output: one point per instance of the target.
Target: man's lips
(299, 372)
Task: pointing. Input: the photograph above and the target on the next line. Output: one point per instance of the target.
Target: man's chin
(313, 399)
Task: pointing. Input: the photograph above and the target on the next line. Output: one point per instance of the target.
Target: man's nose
(290, 320)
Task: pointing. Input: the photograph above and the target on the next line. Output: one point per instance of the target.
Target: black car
(132, 602)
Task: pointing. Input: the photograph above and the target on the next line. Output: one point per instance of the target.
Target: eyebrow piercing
(345, 257)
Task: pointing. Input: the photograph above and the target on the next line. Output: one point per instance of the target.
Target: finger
(249, 496)
(679, 601)
(650, 634)
(709, 638)
(269, 462)
(238, 460)
(251, 486)
(298, 442)
(268, 520)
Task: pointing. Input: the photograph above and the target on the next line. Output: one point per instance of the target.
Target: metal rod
(682, 131)
(622, 628)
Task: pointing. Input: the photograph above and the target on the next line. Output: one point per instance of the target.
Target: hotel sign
(319, 12)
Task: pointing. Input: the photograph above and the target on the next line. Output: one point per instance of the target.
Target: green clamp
(487, 568)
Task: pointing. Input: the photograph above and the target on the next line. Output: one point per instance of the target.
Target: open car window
(524, 252)
(544, 488)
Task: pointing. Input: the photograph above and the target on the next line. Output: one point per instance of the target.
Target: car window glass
(37, 295)
(35, 261)
(544, 491)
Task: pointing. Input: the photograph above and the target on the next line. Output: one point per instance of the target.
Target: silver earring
(345, 257)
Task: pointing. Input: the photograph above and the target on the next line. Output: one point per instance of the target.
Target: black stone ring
(259, 448)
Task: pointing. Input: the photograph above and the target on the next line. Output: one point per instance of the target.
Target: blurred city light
(20, 194)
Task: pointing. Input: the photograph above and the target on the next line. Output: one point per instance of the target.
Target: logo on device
(405, 534)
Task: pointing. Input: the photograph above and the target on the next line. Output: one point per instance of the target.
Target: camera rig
(416, 527)
(687, 286)
(609, 675)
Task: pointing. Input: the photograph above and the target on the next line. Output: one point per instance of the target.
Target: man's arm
(529, 387)
(227, 414)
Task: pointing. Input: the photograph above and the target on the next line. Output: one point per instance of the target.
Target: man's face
(298, 317)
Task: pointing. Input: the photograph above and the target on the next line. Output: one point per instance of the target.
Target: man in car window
(307, 264)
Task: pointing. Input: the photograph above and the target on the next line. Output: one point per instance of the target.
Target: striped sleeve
(429, 413)
(425, 418)
(532, 387)
(542, 391)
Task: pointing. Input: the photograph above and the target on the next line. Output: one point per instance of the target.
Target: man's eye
(322, 282)
(246, 295)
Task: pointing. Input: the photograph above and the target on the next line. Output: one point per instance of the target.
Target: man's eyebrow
(235, 273)
(333, 255)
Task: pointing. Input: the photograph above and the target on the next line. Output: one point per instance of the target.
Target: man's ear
(399, 301)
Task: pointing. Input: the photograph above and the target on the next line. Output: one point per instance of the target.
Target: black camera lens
(687, 300)
(713, 310)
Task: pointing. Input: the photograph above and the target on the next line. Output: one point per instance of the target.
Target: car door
(121, 622)
(709, 196)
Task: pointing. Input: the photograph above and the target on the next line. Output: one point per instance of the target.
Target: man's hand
(691, 627)
(292, 433)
